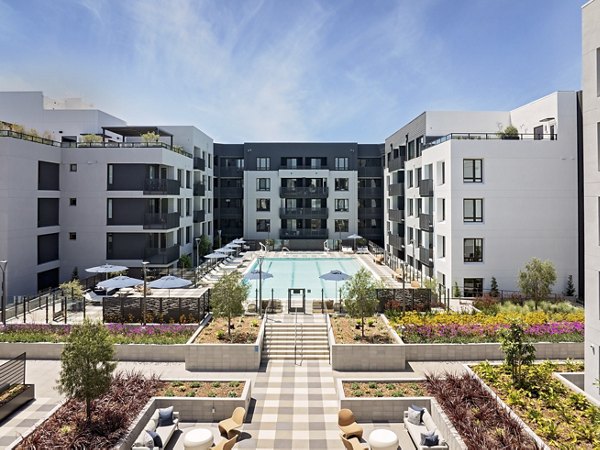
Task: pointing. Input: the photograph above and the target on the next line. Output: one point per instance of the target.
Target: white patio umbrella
(120, 282)
(215, 255)
(335, 275)
(233, 245)
(354, 237)
(239, 241)
(106, 268)
(169, 282)
(225, 250)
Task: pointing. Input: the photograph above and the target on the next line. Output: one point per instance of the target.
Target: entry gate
(296, 300)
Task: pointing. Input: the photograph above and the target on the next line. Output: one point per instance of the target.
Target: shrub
(536, 279)
(517, 352)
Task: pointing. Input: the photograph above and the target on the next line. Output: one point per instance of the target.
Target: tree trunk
(362, 326)
(229, 327)
(88, 410)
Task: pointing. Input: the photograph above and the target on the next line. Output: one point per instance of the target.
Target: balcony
(199, 189)
(396, 215)
(230, 213)
(397, 189)
(395, 241)
(303, 167)
(161, 186)
(161, 221)
(303, 213)
(493, 136)
(231, 172)
(199, 164)
(426, 188)
(426, 256)
(396, 164)
(372, 234)
(426, 222)
(230, 192)
(303, 192)
(161, 255)
(370, 172)
(304, 234)
(370, 213)
(199, 216)
(370, 192)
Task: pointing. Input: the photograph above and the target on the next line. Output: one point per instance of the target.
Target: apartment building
(300, 195)
(70, 201)
(591, 136)
(466, 201)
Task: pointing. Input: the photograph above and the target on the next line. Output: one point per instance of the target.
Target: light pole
(3, 265)
(144, 265)
(260, 262)
(219, 234)
(197, 260)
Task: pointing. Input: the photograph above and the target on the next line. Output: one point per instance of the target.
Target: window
(263, 163)
(341, 225)
(72, 236)
(472, 170)
(188, 209)
(538, 133)
(409, 178)
(109, 208)
(110, 174)
(263, 204)
(441, 246)
(341, 163)
(188, 235)
(263, 225)
(342, 184)
(342, 204)
(411, 209)
(473, 250)
(473, 210)
(72, 201)
(73, 167)
(441, 212)
(441, 172)
(473, 287)
(263, 184)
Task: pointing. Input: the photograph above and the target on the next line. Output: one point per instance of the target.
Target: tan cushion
(151, 425)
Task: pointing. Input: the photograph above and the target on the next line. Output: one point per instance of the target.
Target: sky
(290, 70)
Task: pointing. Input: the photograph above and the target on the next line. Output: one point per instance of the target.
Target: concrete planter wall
(224, 357)
(191, 409)
(378, 409)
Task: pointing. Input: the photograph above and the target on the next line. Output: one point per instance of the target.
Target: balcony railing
(370, 213)
(492, 136)
(370, 192)
(397, 189)
(199, 164)
(303, 167)
(395, 241)
(370, 172)
(426, 222)
(161, 255)
(161, 186)
(199, 189)
(199, 216)
(231, 172)
(396, 215)
(303, 213)
(304, 234)
(304, 192)
(396, 164)
(426, 188)
(231, 192)
(426, 256)
(161, 221)
(230, 213)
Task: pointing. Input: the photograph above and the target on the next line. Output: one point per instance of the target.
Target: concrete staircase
(309, 340)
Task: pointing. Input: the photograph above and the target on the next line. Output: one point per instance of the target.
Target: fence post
(122, 310)
(143, 319)
(198, 305)
(65, 310)
(24, 310)
(46, 309)
(322, 301)
(160, 309)
(179, 309)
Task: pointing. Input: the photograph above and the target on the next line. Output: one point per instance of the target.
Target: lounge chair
(348, 425)
(347, 250)
(226, 444)
(353, 443)
(229, 427)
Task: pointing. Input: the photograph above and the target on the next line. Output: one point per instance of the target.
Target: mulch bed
(232, 389)
(344, 329)
(245, 331)
(384, 389)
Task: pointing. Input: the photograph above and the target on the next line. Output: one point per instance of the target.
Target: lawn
(119, 334)
(347, 331)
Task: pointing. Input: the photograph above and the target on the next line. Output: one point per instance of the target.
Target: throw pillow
(419, 408)
(155, 438)
(414, 417)
(429, 439)
(165, 416)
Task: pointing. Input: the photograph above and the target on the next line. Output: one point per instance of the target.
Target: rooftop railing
(493, 136)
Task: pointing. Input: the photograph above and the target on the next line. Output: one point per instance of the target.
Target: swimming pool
(301, 273)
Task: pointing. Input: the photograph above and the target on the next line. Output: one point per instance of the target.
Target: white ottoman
(197, 439)
(383, 440)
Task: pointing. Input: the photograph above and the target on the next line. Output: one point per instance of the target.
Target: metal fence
(12, 372)
(402, 300)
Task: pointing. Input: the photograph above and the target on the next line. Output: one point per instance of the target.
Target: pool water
(301, 273)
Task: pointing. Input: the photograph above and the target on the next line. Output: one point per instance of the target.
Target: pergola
(126, 132)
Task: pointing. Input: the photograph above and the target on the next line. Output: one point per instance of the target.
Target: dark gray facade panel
(370, 150)
(47, 248)
(48, 176)
(128, 177)
(47, 279)
(128, 211)
(128, 246)
(48, 212)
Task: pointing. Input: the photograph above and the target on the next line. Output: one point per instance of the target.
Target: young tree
(72, 288)
(185, 261)
(455, 290)
(570, 289)
(360, 292)
(204, 245)
(228, 296)
(536, 280)
(87, 364)
(517, 352)
(493, 287)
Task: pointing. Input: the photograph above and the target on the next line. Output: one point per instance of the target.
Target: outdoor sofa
(165, 432)
(426, 425)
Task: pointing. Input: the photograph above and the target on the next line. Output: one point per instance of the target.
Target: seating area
(158, 430)
(422, 430)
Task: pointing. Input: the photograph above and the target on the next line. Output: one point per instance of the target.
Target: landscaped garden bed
(384, 389)
(348, 331)
(244, 331)
(119, 333)
(231, 389)
(463, 328)
(562, 418)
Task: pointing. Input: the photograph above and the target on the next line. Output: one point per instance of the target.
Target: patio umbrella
(169, 282)
(120, 282)
(106, 268)
(233, 245)
(225, 250)
(354, 237)
(215, 255)
(257, 275)
(239, 241)
(335, 275)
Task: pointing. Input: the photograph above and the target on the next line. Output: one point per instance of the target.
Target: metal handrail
(499, 135)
